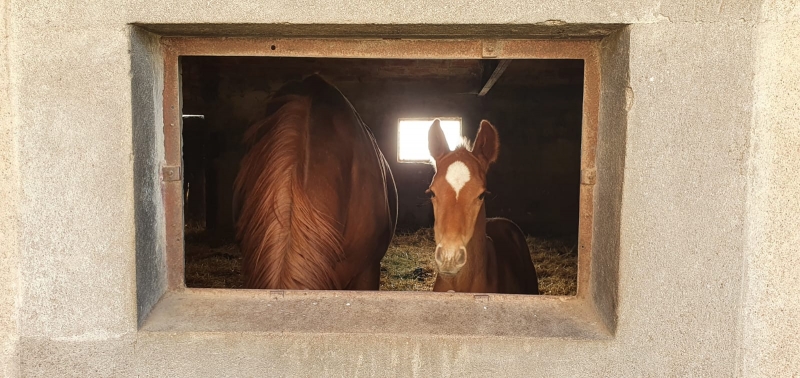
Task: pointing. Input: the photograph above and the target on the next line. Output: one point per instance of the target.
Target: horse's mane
(286, 241)
(465, 144)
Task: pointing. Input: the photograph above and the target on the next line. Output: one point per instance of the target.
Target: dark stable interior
(536, 105)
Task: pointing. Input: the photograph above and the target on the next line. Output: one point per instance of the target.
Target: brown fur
(496, 258)
(312, 181)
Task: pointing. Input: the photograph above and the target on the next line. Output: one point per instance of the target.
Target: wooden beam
(495, 76)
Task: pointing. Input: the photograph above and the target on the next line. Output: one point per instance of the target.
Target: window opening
(412, 137)
(536, 105)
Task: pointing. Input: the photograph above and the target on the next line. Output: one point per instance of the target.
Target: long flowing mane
(287, 242)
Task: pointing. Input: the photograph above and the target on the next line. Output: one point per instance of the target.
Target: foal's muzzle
(449, 260)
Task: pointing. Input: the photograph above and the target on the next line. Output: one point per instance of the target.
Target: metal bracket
(171, 173)
(276, 294)
(588, 176)
(491, 48)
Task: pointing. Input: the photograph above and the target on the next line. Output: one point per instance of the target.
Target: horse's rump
(291, 195)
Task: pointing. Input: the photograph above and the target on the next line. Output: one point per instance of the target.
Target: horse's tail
(286, 242)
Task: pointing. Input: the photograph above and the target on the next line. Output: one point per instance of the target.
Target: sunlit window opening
(412, 137)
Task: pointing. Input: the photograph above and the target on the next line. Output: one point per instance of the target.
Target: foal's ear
(437, 143)
(487, 144)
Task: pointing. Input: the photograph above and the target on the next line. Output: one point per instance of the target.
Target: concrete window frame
(165, 304)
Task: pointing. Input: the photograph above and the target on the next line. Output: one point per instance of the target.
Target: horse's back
(513, 256)
(342, 147)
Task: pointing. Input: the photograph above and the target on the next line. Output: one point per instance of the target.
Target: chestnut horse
(315, 202)
(474, 254)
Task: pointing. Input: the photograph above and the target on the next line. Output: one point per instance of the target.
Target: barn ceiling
(453, 76)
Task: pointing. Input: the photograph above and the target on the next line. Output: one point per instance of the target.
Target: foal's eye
(430, 193)
(483, 195)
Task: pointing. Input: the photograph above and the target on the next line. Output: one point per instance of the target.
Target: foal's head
(457, 193)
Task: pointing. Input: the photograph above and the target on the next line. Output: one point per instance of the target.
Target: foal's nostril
(461, 256)
(438, 255)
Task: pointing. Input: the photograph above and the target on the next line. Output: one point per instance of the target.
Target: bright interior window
(412, 137)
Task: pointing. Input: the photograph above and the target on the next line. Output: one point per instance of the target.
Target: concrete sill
(393, 313)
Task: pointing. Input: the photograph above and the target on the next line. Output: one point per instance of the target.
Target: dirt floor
(408, 264)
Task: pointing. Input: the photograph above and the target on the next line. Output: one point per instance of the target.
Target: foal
(474, 254)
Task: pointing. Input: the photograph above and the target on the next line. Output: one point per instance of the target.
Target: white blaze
(457, 176)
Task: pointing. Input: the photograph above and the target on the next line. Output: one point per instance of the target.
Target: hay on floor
(211, 264)
(407, 266)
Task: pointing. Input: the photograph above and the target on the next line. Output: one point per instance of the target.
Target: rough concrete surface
(148, 147)
(9, 194)
(76, 215)
(610, 163)
(315, 355)
(98, 357)
(453, 314)
(708, 229)
(683, 196)
(772, 263)
(439, 12)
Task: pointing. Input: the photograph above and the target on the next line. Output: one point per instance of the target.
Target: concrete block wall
(708, 242)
